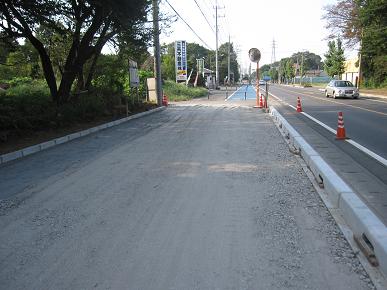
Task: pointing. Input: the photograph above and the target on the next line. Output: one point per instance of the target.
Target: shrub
(180, 92)
(14, 82)
(26, 106)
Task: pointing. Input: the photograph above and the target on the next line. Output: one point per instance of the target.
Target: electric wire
(187, 24)
(204, 15)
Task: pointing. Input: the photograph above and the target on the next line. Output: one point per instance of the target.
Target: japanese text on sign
(181, 60)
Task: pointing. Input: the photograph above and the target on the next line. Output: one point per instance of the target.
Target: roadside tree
(88, 24)
(334, 59)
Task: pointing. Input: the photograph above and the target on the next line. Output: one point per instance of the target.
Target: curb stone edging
(60, 140)
(355, 212)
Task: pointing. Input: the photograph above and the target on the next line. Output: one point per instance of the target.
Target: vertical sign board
(181, 60)
(133, 74)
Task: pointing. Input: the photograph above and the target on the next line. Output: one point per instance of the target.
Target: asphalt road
(194, 197)
(365, 119)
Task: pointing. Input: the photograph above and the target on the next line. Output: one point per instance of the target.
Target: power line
(187, 24)
(204, 16)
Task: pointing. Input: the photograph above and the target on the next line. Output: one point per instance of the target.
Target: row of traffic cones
(340, 132)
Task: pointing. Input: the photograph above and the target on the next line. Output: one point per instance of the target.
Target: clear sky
(294, 25)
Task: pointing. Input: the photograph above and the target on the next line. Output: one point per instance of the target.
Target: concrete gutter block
(85, 132)
(362, 220)
(333, 184)
(380, 249)
(31, 150)
(103, 126)
(47, 144)
(74, 135)
(61, 140)
(11, 156)
(110, 124)
(358, 216)
(306, 150)
(335, 187)
(94, 129)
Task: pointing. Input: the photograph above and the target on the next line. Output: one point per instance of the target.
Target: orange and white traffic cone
(260, 102)
(165, 101)
(299, 108)
(340, 133)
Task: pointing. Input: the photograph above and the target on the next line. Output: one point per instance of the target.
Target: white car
(262, 83)
(338, 88)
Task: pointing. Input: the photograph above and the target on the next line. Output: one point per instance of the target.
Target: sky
(294, 25)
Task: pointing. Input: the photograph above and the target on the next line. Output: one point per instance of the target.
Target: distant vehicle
(341, 89)
(262, 82)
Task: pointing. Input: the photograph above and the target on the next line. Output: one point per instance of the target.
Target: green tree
(289, 69)
(273, 73)
(363, 22)
(264, 70)
(374, 45)
(168, 67)
(343, 19)
(223, 61)
(22, 61)
(89, 24)
(334, 59)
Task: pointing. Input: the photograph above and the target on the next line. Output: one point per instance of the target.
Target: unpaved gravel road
(194, 197)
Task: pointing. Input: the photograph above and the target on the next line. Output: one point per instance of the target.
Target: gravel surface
(194, 197)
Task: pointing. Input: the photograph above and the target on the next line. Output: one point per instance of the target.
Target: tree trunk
(47, 68)
(67, 81)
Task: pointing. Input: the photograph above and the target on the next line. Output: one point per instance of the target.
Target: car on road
(262, 82)
(339, 88)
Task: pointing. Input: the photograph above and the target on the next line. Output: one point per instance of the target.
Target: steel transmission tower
(273, 54)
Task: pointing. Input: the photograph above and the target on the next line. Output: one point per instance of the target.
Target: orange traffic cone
(165, 101)
(299, 108)
(340, 133)
(260, 102)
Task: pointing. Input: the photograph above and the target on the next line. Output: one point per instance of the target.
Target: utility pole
(273, 58)
(302, 67)
(216, 48)
(216, 51)
(228, 61)
(156, 41)
(360, 68)
(250, 74)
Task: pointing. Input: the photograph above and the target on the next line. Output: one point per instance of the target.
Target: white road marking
(369, 152)
(352, 142)
(233, 93)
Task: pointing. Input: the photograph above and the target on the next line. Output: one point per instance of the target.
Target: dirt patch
(16, 140)
(381, 91)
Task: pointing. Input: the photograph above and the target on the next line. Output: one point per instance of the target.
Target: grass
(319, 85)
(180, 92)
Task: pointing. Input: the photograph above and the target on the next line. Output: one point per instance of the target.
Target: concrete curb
(355, 212)
(48, 144)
